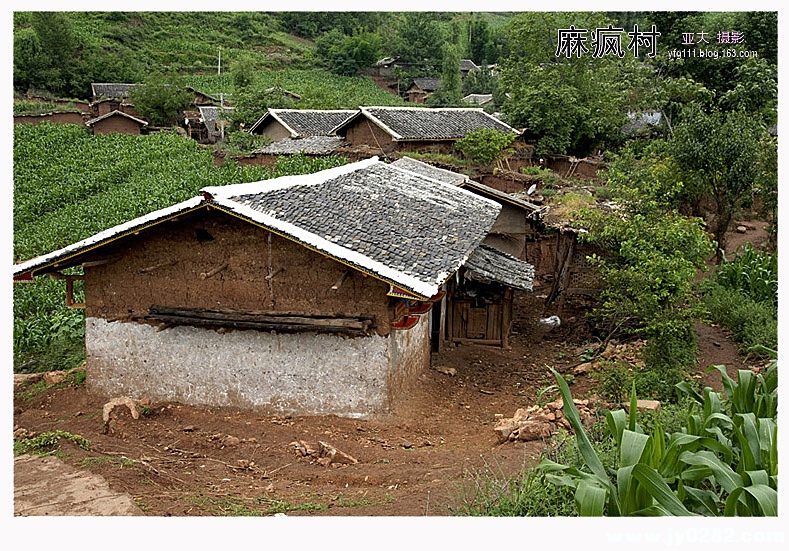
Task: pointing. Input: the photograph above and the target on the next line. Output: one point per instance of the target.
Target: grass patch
(261, 506)
(103, 460)
(46, 443)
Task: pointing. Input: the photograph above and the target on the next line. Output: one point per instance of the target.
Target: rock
(741, 229)
(54, 377)
(125, 401)
(556, 404)
(407, 444)
(451, 371)
(534, 430)
(188, 428)
(504, 428)
(646, 405)
(335, 456)
(583, 369)
(231, 441)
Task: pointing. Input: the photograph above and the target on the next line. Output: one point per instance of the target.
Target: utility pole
(219, 64)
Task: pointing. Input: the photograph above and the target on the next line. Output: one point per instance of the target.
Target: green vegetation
(46, 443)
(101, 181)
(485, 146)
(742, 296)
(714, 455)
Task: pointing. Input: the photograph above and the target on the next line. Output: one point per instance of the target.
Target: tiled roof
(111, 90)
(468, 65)
(478, 99)
(446, 176)
(405, 229)
(314, 145)
(411, 231)
(210, 113)
(491, 264)
(305, 122)
(414, 123)
(427, 84)
(499, 196)
(116, 113)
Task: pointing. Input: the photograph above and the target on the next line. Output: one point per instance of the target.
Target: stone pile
(629, 354)
(323, 453)
(536, 423)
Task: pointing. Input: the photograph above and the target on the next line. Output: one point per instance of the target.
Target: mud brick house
(309, 146)
(307, 294)
(279, 124)
(108, 97)
(118, 122)
(421, 88)
(480, 300)
(415, 129)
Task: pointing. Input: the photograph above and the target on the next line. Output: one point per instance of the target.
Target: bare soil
(178, 460)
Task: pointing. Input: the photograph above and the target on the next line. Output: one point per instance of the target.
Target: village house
(108, 97)
(478, 99)
(279, 124)
(480, 301)
(117, 122)
(415, 129)
(307, 294)
(207, 124)
(421, 88)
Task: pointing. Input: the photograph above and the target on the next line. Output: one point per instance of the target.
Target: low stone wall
(302, 373)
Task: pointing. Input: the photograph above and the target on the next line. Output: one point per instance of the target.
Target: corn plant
(752, 272)
(721, 464)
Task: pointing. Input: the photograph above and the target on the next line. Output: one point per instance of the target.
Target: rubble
(325, 454)
(133, 405)
(537, 423)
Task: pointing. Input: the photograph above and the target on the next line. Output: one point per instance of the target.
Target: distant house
(309, 146)
(201, 98)
(117, 122)
(467, 66)
(313, 294)
(108, 97)
(415, 129)
(421, 88)
(478, 99)
(642, 123)
(278, 124)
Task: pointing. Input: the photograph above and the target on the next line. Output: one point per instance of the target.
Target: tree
(419, 41)
(719, 156)
(449, 93)
(574, 104)
(486, 145)
(160, 101)
(242, 71)
(348, 55)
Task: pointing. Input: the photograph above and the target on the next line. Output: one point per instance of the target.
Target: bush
(485, 146)
(751, 323)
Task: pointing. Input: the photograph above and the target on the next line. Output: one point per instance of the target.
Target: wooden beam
(213, 272)
(157, 266)
(277, 321)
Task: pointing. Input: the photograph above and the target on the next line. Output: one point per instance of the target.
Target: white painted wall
(301, 373)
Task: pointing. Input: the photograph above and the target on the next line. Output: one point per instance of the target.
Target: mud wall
(57, 118)
(303, 374)
(212, 260)
(118, 124)
(275, 131)
(364, 132)
(410, 356)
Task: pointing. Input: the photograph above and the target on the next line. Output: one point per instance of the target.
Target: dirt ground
(186, 461)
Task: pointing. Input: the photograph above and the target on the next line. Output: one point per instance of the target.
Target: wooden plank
(259, 325)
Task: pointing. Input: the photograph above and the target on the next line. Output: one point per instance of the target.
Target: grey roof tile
(306, 122)
(111, 89)
(492, 264)
(312, 145)
(415, 123)
(412, 231)
(446, 176)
